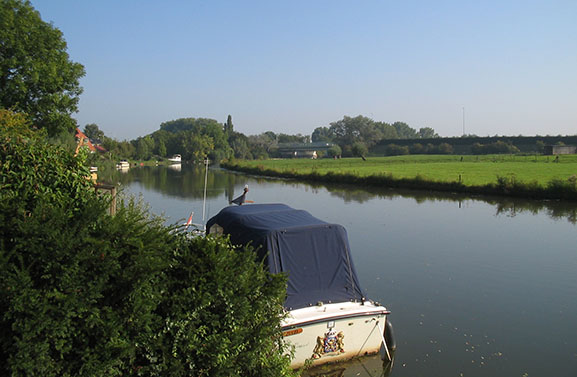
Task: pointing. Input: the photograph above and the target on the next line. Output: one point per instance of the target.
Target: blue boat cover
(314, 254)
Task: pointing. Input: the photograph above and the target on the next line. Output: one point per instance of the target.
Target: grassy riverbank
(540, 177)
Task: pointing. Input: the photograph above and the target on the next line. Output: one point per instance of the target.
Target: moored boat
(123, 165)
(329, 317)
(175, 158)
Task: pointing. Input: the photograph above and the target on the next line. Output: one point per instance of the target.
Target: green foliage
(144, 148)
(396, 150)
(349, 130)
(404, 131)
(222, 315)
(359, 149)
(36, 75)
(321, 134)
(427, 133)
(83, 293)
(334, 151)
(498, 147)
(93, 132)
(525, 176)
(228, 126)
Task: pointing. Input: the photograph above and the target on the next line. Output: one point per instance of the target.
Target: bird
(241, 199)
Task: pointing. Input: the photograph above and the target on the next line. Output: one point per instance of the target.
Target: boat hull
(334, 332)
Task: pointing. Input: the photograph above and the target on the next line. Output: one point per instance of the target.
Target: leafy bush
(359, 149)
(396, 150)
(334, 151)
(83, 293)
(498, 147)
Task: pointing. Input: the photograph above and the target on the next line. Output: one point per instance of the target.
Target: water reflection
(369, 366)
(187, 181)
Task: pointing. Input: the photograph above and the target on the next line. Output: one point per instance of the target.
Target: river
(477, 286)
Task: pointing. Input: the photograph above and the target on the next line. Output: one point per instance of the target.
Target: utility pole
(463, 120)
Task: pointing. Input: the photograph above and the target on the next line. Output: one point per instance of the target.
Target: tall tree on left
(37, 76)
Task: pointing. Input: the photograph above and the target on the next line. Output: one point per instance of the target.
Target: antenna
(463, 120)
(205, 182)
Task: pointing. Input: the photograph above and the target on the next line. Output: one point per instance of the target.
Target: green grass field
(469, 170)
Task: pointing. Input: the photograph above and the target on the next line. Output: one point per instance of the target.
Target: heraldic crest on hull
(331, 342)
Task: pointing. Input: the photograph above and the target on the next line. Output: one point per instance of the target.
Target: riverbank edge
(504, 186)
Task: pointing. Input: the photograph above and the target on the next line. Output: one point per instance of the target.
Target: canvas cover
(313, 253)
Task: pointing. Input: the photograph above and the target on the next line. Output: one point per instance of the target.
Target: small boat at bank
(175, 159)
(123, 165)
(329, 317)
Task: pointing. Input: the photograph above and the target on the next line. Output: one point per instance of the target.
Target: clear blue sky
(293, 66)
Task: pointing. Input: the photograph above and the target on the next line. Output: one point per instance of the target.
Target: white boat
(175, 158)
(123, 165)
(329, 317)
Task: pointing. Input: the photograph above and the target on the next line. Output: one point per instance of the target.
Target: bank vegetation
(530, 176)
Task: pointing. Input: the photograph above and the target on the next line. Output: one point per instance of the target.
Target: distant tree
(36, 75)
(417, 148)
(228, 127)
(321, 134)
(144, 148)
(347, 131)
(240, 145)
(359, 149)
(540, 145)
(498, 147)
(161, 148)
(427, 133)
(404, 131)
(396, 150)
(298, 138)
(334, 151)
(93, 132)
(271, 135)
(262, 143)
(388, 132)
(195, 147)
(444, 148)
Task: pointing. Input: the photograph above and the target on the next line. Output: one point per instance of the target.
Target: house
(303, 150)
(559, 149)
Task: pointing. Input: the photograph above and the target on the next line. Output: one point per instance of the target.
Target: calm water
(476, 286)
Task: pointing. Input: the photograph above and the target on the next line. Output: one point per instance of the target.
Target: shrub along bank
(424, 173)
(83, 293)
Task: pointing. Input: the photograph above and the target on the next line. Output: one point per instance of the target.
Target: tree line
(197, 138)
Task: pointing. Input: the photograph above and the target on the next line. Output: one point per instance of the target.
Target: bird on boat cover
(241, 199)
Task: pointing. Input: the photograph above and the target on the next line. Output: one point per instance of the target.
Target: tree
(359, 149)
(387, 131)
(93, 132)
(321, 134)
(161, 148)
(144, 147)
(404, 131)
(228, 126)
(194, 146)
(261, 145)
(396, 150)
(99, 295)
(334, 151)
(349, 130)
(36, 75)
(427, 133)
(240, 145)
